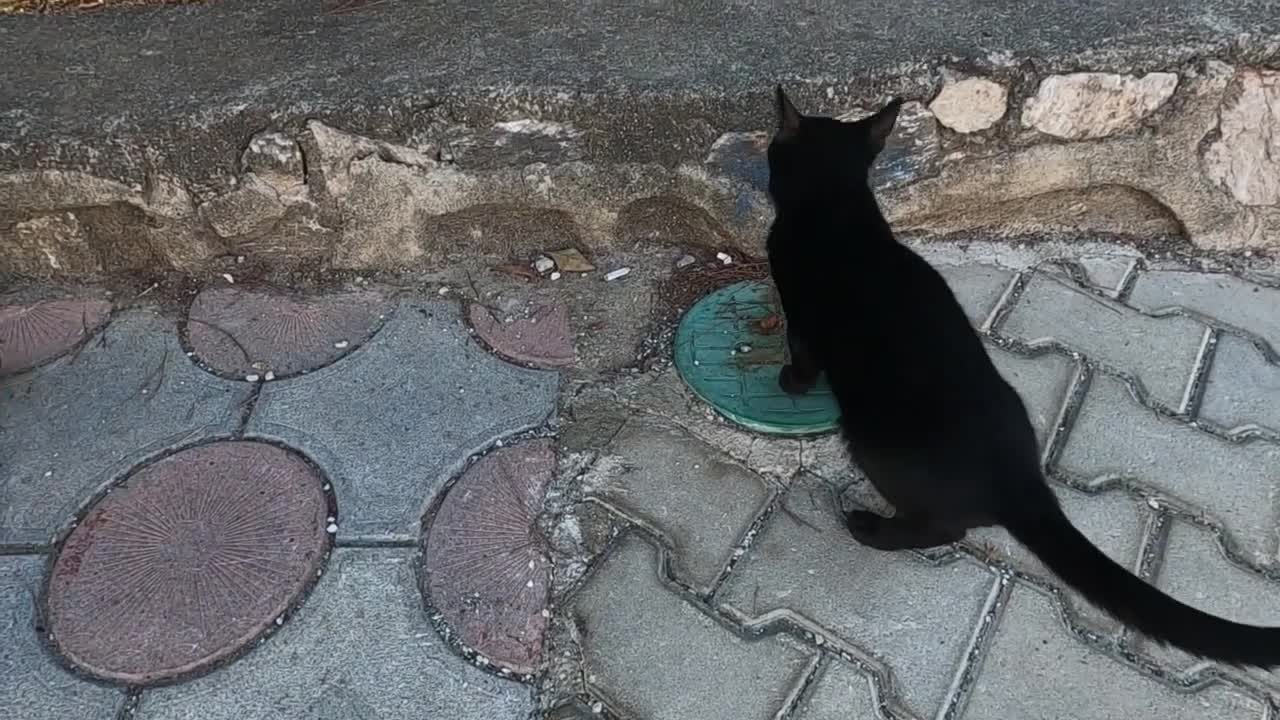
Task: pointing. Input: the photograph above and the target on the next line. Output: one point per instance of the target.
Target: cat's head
(809, 153)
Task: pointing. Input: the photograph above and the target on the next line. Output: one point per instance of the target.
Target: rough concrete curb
(149, 140)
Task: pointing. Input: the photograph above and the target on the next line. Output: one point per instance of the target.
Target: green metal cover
(729, 348)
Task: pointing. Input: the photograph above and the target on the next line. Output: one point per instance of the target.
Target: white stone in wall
(1092, 105)
(1245, 159)
(970, 105)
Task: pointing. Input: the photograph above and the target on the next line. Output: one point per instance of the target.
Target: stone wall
(1191, 155)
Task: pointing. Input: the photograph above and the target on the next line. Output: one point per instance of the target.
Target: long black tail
(1040, 524)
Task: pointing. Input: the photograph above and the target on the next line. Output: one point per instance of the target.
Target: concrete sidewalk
(475, 499)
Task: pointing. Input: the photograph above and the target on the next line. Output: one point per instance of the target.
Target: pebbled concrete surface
(359, 648)
(34, 685)
(72, 426)
(416, 401)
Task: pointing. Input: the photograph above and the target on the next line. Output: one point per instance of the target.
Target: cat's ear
(880, 125)
(788, 117)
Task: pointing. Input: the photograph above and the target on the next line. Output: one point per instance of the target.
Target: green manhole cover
(729, 349)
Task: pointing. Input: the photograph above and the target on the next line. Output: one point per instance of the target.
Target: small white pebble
(1153, 504)
(239, 259)
(615, 274)
(228, 278)
(544, 264)
(332, 529)
(49, 473)
(725, 258)
(546, 613)
(555, 275)
(529, 584)
(251, 378)
(444, 291)
(280, 620)
(597, 707)
(818, 640)
(341, 344)
(326, 487)
(269, 376)
(686, 261)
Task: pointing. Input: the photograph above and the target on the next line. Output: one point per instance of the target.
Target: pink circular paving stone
(238, 332)
(543, 339)
(486, 566)
(33, 334)
(187, 562)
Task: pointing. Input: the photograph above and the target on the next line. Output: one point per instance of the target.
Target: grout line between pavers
(791, 704)
(132, 701)
(1193, 394)
(1155, 539)
(1008, 299)
(743, 546)
(984, 630)
(374, 543)
(246, 411)
(1068, 411)
(19, 549)
(1129, 280)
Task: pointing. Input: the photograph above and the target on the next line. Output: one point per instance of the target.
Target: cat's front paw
(792, 383)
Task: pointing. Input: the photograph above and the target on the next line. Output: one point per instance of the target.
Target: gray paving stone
(1113, 520)
(1042, 382)
(840, 692)
(1196, 572)
(1116, 438)
(1224, 297)
(918, 618)
(392, 422)
(360, 647)
(656, 657)
(70, 427)
(686, 489)
(1160, 352)
(1243, 389)
(1035, 669)
(32, 685)
(977, 287)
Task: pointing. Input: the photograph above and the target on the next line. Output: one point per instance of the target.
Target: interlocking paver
(917, 617)
(1114, 437)
(32, 685)
(684, 487)
(1160, 352)
(72, 426)
(395, 420)
(1242, 390)
(1229, 299)
(656, 657)
(1195, 571)
(838, 693)
(977, 287)
(1035, 669)
(1112, 520)
(360, 647)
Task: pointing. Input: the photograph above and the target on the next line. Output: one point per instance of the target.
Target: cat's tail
(1039, 523)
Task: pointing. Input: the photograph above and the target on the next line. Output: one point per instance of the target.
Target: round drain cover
(730, 347)
(187, 562)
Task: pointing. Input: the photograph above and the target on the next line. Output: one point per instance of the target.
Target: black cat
(924, 412)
